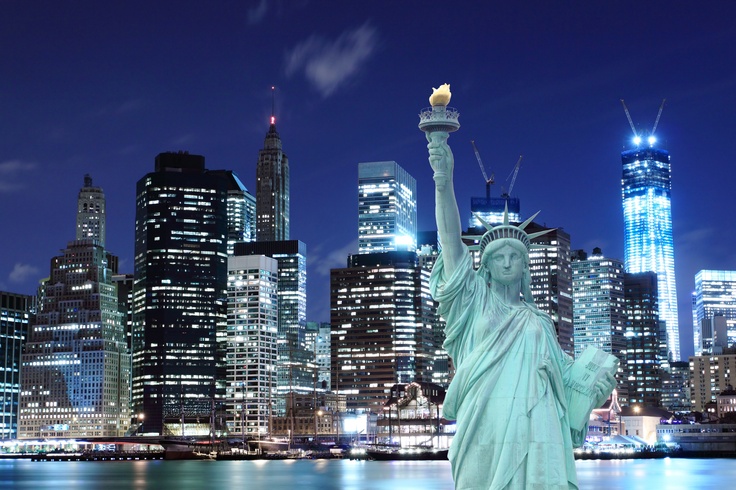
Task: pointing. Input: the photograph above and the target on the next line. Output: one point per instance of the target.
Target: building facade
(648, 242)
(15, 315)
(551, 286)
(599, 313)
(492, 209)
(709, 377)
(241, 211)
(252, 329)
(91, 211)
(382, 318)
(318, 341)
(272, 189)
(714, 296)
(387, 208)
(296, 370)
(75, 373)
(646, 350)
(179, 293)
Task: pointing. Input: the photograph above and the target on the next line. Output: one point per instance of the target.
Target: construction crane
(490, 180)
(514, 172)
(659, 114)
(637, 137)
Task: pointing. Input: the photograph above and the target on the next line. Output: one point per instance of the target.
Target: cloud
(329, 64)
(10, 171)
(335, 259)
(258, 13)
(23, 272)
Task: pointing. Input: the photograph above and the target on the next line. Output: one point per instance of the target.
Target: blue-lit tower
(646, 189)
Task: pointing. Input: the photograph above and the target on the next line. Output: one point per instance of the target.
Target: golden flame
(440, 96)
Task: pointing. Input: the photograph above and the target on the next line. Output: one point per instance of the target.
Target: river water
(670, 474)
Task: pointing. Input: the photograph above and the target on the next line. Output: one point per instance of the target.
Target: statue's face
(506, 265)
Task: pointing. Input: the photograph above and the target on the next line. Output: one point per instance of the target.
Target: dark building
(382, 318)
(179, 293)
(15, 313)
(552, 281)
(645, 340)
(272, 189)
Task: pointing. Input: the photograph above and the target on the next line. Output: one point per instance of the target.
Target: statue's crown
(506, 230)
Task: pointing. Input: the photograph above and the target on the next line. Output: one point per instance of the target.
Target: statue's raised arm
(437, 122)
(446, 209)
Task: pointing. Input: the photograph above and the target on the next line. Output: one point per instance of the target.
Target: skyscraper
(272, 189)
(241, 211)
(252, 329)
(295, 368)
(382, 316)
(648, 239)
(15, 312)
(75, 373)
(387, 208)
(179, 293)
(646, 349)
(552, 281)
(91, 212)
(599, 313)
(492, 209)
(715, 296)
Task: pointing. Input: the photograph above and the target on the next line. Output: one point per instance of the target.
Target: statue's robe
(508, 394)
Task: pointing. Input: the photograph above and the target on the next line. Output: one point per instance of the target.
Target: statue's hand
(603, 388)
(440, 158)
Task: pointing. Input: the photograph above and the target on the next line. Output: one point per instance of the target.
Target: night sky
(103, 87)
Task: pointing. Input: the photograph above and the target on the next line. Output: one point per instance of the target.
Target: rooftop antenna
(273, 104)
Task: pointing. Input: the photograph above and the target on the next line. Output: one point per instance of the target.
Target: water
(672, 474)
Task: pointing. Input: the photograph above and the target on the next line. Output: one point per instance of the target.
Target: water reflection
(341, 475)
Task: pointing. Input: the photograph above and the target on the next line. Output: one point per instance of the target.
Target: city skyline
(100, 90)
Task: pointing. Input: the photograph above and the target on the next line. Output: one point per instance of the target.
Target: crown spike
(506, 214)
(532, 236)
(529, 220)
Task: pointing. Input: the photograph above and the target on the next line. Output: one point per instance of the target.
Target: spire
(273, 105)
(273, 140)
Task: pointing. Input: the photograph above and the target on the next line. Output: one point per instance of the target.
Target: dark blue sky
(103, 87)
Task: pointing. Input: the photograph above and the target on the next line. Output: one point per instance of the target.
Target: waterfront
(670, 473)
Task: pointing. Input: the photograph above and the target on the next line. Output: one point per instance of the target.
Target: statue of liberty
(521, 403)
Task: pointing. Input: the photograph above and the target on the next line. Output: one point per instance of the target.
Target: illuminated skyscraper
(648, 228)
(241, 211)
(252, 325)
(645, 363)
(714, 302)
(295, 368)
(598, 304)
(91, 212)
(179, 294)
(552, 281)
(272, 189)
(75, 374)
(15, 312)
(382, 318)
(387, 208)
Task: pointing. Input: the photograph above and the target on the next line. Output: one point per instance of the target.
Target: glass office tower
(179, 295)
(714, 303)
(15, 312)
(648, 239)
(387, 208)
